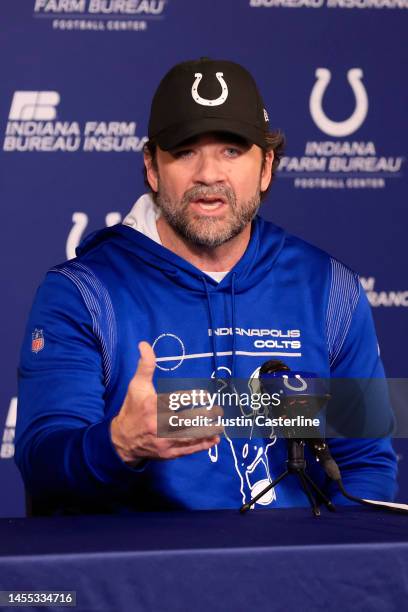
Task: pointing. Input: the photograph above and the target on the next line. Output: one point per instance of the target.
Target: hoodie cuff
(102, 458)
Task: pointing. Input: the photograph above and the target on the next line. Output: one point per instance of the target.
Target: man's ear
(151, 171)
(266, 174)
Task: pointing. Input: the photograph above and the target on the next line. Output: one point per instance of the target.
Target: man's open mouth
(210, 203)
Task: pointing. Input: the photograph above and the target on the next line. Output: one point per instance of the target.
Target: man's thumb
(147, 363)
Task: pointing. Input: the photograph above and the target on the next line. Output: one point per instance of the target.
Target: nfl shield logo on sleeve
(37, 342)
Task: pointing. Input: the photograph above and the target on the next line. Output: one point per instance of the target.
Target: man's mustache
(201, 192)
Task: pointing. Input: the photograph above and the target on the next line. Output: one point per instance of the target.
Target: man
(198, 286)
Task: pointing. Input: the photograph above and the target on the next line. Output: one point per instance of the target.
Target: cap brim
(177, 134)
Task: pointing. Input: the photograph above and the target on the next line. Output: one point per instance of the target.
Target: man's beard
(202, 230)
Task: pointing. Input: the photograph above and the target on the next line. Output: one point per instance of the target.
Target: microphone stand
(296, 464)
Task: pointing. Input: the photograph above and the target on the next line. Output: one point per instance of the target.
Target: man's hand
(134, 429)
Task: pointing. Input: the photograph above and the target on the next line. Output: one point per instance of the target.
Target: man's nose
(208, 170)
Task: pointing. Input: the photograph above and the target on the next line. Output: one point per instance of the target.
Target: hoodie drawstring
(213, 334)
(233, 324)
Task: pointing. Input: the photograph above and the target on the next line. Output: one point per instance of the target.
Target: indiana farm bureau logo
(34, 126)
(100, 15)
(334, 161)
(330, 4)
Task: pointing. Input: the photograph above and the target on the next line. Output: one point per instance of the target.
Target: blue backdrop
(77, 78)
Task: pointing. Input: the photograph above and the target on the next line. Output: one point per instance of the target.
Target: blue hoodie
(284, 299)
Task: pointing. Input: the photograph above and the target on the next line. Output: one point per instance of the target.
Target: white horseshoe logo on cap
(203, 101)
(303, 383)
(350, 125)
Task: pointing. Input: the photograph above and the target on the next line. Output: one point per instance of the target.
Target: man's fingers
(143, 378)
(192, 447)
(191, 423)
(183, 416)
(187, 442)
(147, 361)
(192, 432)
(195, 433)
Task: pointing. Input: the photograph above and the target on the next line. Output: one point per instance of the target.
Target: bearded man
(193, 284)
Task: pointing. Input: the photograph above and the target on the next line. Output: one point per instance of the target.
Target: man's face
(208, 188)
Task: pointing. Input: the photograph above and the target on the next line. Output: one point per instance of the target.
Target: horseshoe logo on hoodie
(350, 125)
(203, 101)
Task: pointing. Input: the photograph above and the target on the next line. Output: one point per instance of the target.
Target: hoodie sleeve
(63, 445)
(364, 415)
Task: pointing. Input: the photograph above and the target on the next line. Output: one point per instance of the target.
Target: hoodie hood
(143, 217)
(138, 235)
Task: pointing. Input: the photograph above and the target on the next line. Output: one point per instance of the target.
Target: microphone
(296, 390)
(304, 390)
(301, 392)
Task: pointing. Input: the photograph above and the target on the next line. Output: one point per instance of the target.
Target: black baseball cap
(206, 95)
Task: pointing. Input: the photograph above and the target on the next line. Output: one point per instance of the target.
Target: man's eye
(232, 152)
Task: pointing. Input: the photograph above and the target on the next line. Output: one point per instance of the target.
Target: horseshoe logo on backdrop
(350, 125)
(80, 223)
(302, 386)
(203, 101)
